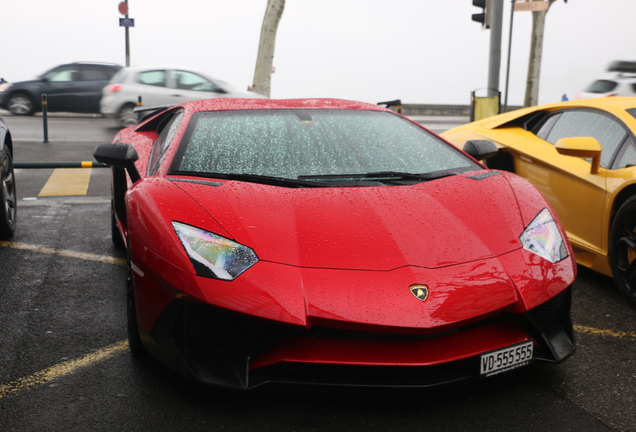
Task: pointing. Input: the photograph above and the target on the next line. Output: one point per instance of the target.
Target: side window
(628, 156)
(161, 144)
(153, 78)
(94, 73)
(190, 81)
(607, 131)
(63, 74)
(546, 126)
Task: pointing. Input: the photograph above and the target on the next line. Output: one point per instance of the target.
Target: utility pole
(126, 22)
(491, 18)
(127, 39)
(494, 64)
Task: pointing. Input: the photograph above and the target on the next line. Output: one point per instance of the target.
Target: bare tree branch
(536, 52)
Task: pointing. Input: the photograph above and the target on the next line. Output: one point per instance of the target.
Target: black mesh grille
(551, 311)
(367, 376)
(211, 329)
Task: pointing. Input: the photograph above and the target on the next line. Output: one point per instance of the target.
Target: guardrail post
(45, 122)
(139, 115)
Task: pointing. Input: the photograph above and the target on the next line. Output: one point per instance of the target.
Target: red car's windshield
(312, 142)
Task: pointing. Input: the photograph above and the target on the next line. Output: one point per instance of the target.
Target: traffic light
(484, 17)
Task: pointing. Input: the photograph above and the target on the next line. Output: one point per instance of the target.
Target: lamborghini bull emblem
(419, 291)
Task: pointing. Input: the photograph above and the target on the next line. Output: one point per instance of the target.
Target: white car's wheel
(127, 116)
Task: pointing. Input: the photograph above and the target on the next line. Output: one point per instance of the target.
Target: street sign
(126, 22)
(534, 6)
(123, 8)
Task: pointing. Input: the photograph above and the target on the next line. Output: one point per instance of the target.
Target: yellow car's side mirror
(582, 147)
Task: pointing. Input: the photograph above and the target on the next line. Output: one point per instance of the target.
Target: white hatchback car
(160, 86)
(611, 86)
(620, 81)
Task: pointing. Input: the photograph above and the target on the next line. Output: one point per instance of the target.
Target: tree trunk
(536, 50)
(265, 58)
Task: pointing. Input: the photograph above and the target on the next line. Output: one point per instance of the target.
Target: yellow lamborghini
(582, 156)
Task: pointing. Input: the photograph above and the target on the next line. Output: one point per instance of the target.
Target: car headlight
(214, 256)
(543, 238)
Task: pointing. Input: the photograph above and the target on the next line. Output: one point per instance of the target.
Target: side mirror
(582, 147)
(118, 155)
(480, 149)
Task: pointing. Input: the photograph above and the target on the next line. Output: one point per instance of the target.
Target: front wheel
(134, 339)
(8, 205)
(21, 104)
(622, 253)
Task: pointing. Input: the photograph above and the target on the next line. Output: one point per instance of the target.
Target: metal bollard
(45, 122)
(396, 103)
(139, 104)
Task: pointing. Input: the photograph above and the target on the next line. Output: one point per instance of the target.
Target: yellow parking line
(45, 376)
(67, 181)
(63, 252)
(602, 332)
(61, 370)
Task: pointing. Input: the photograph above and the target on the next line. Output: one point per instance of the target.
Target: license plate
(506, 359)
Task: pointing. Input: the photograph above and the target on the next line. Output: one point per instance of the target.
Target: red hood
(433, 224)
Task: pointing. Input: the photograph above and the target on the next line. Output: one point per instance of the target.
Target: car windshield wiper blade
(254, 178)
(377, 175)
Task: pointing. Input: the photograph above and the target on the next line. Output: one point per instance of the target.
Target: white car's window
(602, 86)
(185, 80)
(153, 78)
(607, 131)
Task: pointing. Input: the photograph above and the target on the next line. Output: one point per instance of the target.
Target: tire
(134, 339)
(127, 116)
(8, 205)
(622, 250)
(21, 104)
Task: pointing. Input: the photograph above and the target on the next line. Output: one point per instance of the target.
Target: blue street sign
(126, 22)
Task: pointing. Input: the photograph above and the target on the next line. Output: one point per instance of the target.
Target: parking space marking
(602, 332)
(61, 370)
(67, 181)
(63, 252)
(68, 367)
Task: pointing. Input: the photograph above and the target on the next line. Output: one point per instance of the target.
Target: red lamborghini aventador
(331, 242)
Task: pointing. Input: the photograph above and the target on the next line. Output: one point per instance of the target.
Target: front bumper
(215, 346)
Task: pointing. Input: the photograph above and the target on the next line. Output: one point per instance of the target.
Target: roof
(229, 104)
(606, 103)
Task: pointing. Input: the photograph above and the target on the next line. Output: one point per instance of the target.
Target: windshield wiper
(383, 175)
(253, 178)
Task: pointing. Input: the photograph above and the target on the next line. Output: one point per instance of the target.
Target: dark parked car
(7, 184)
(74, 87)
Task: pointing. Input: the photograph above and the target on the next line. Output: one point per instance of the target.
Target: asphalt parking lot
(64, 363)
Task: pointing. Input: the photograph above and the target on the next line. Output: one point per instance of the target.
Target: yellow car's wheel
(623, 249)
